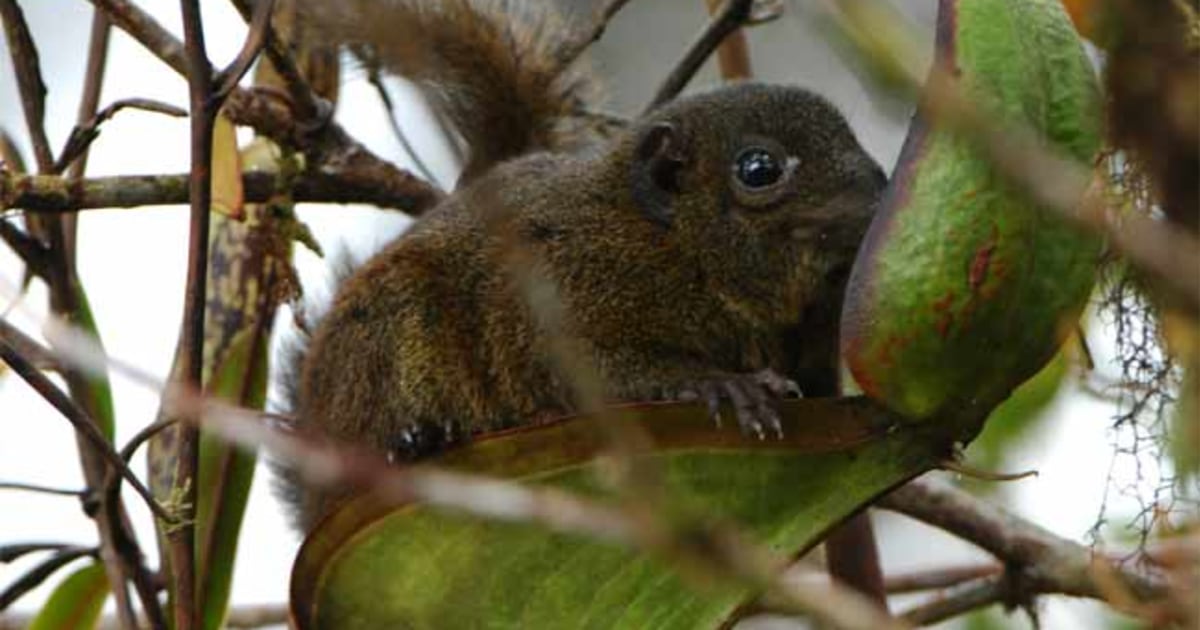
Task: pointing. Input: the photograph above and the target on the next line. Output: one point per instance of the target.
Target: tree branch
(964, 598)
(85, 132)
(309, 107)
(1037, 560)
(29, 80)
(36, 194)
(74, 414)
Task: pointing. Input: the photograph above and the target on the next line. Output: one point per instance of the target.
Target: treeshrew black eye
(757, 167)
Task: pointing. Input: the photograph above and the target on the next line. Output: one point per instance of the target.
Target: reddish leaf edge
(810, 426)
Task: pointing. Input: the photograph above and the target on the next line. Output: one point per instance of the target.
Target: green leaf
(373, 567)
(1016, 418)
(963, 288)
(76, 602)
(225, 476)
(96, 394)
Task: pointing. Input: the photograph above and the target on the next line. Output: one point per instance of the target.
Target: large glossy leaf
(76, 602)
(963, 288)
(368, 566)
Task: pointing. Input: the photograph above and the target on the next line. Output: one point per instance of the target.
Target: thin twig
(733, 55)
(256, 37)
(381, 90)
(120, 551)
(30, 487)
(732, 16)
(38, 574)
(81, 137)
(29, 80)
(202, 108)
(144, 435)
(93, 82)
(312, 112)
(934, 579)
(28, 249)
(961, 599)
(89, 102)
(74, 414)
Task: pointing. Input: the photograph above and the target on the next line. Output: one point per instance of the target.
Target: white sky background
(132, 264)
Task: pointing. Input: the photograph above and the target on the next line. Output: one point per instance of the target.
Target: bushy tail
(494, 67)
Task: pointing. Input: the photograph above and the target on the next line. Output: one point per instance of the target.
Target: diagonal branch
(256, 38)
(312, 111)
(733, 55)
(1039, 561)
(71, 411)
(29, 80)
(733, 15)
(83, 134)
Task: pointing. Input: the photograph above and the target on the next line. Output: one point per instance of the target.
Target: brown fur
(429, 342)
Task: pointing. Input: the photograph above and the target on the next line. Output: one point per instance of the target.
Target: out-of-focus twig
(723, 549)
(83, 134)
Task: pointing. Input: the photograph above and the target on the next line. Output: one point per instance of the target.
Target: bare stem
(29, 80)
(203, 111)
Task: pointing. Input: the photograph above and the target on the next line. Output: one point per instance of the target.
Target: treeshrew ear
(654, 173)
